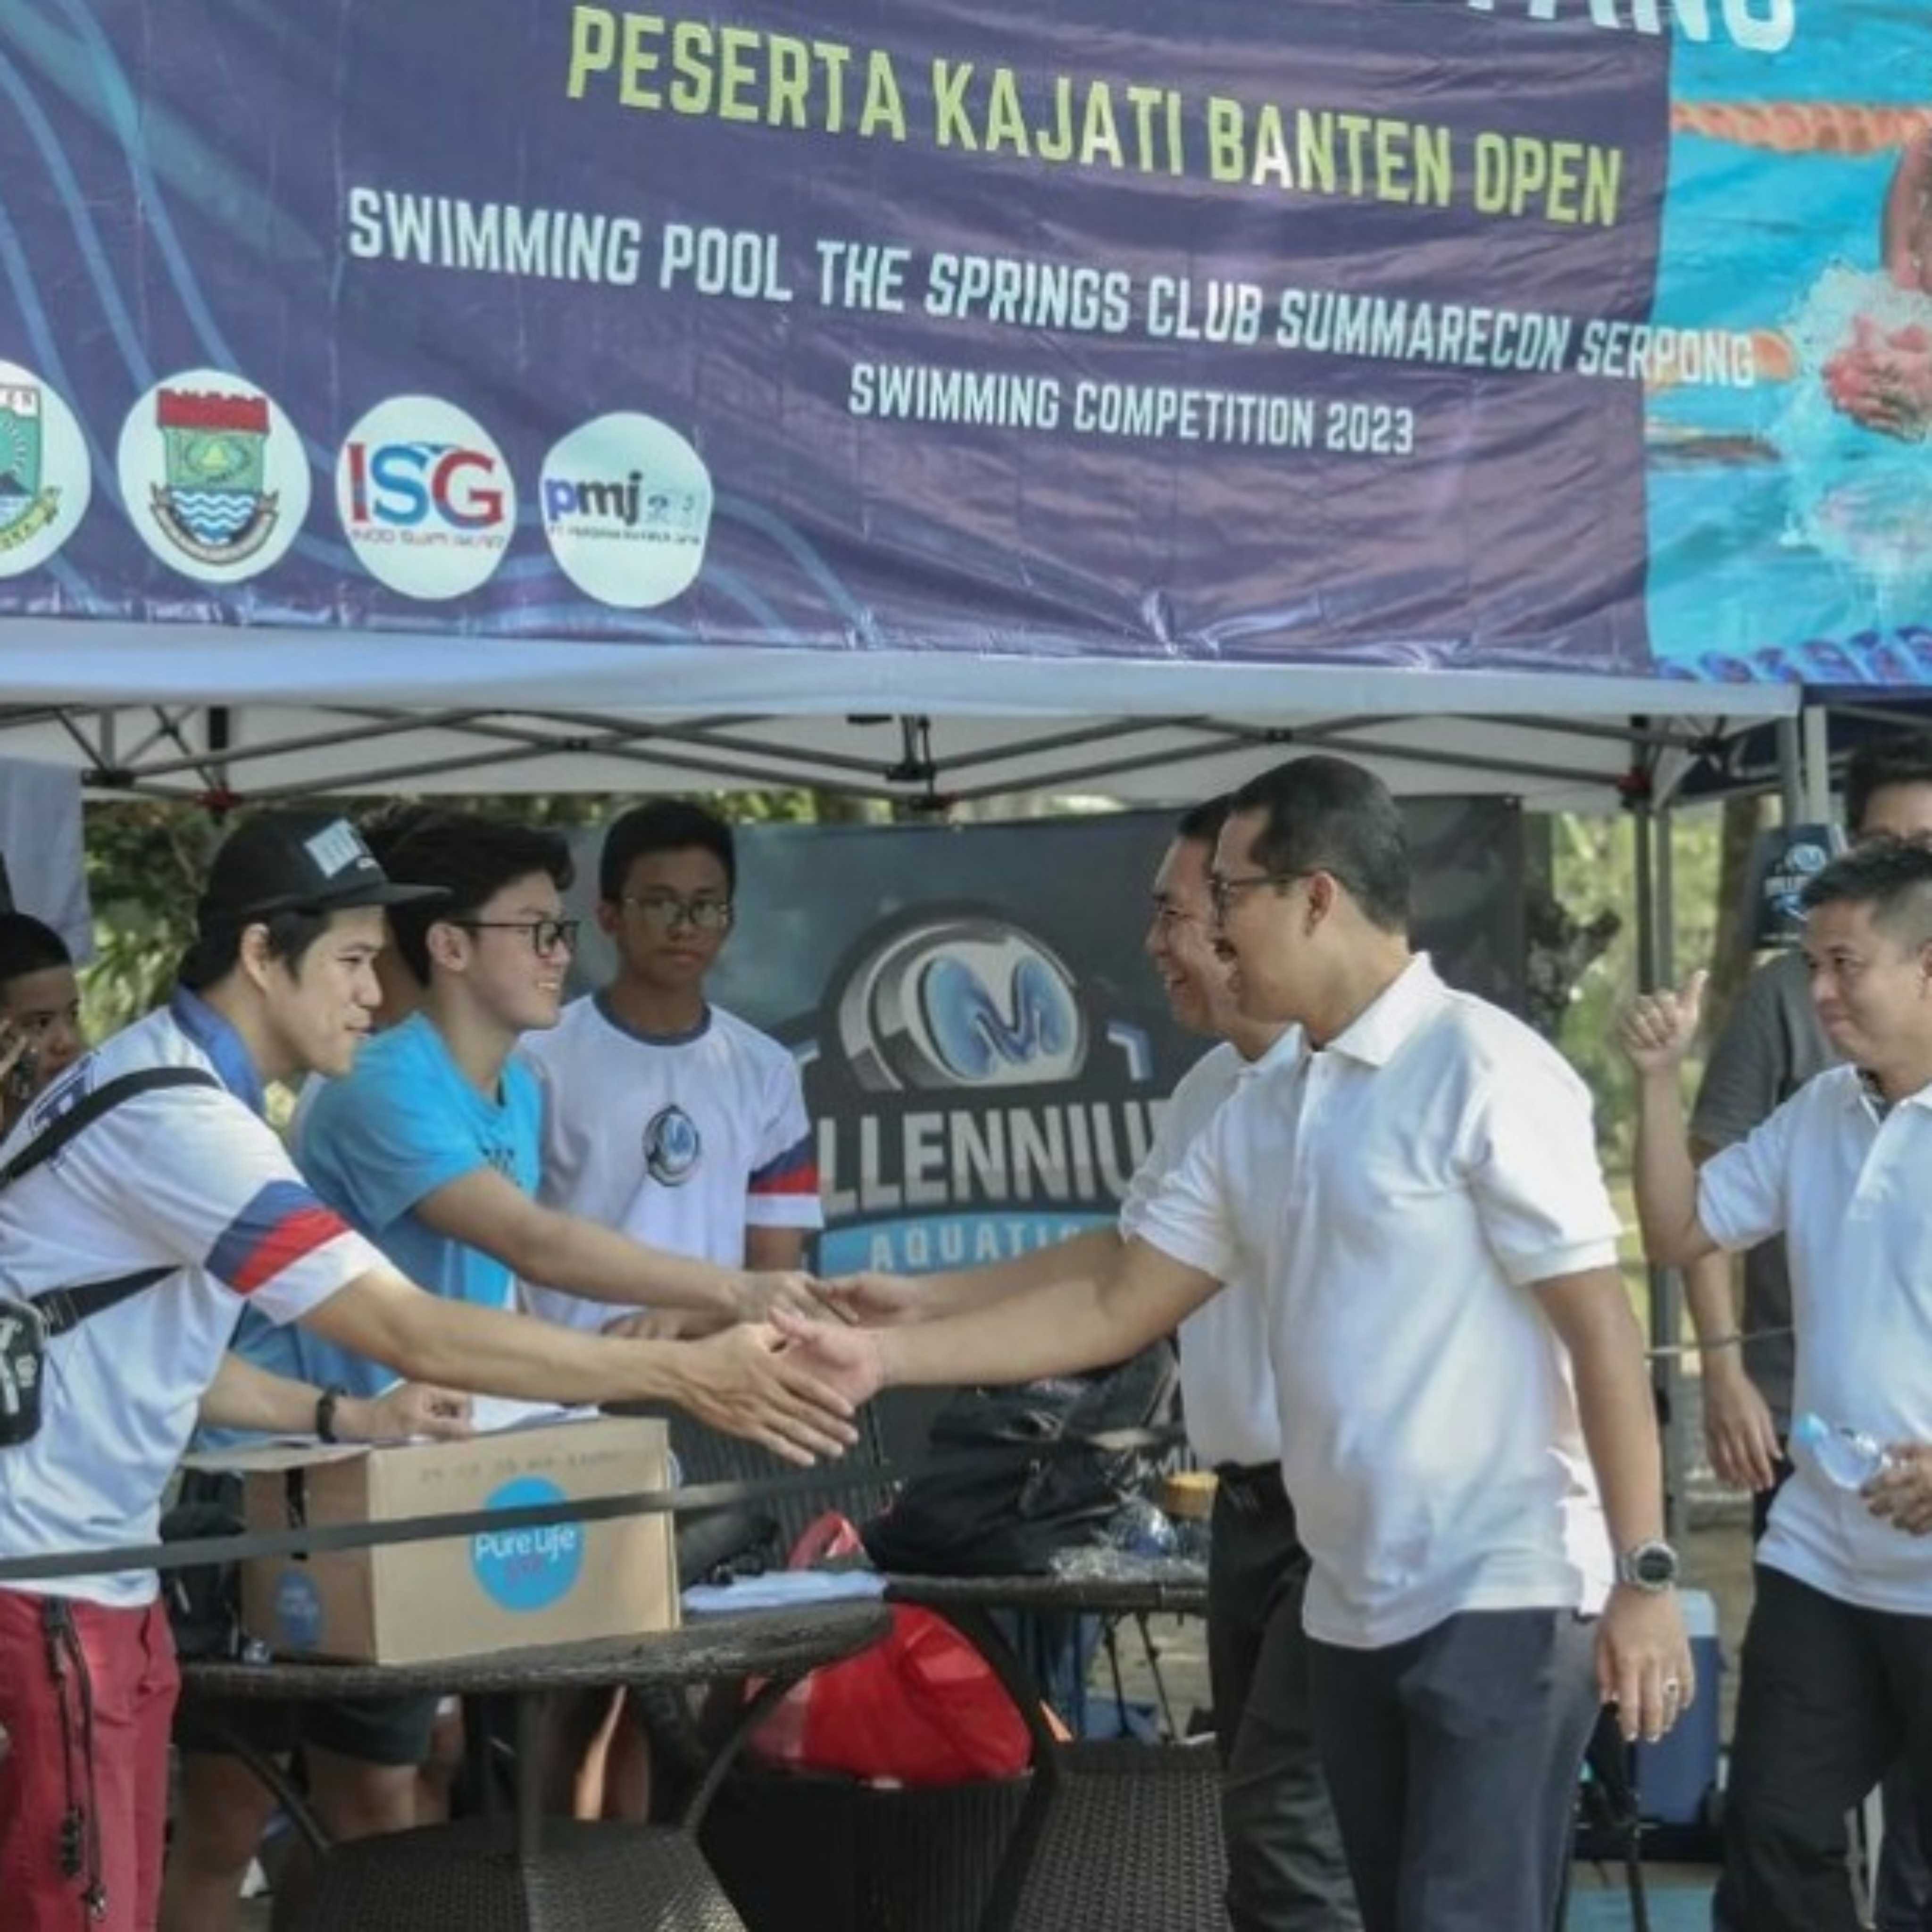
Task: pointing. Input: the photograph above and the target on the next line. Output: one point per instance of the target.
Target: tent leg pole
(1790, 770)
(1652, 970)
(1817, 723)
(1666, 1285)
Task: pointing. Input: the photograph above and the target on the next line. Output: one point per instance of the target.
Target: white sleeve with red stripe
(210, 1185)
(783, 1189)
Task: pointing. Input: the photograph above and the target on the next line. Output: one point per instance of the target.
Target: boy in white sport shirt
(666, 1117)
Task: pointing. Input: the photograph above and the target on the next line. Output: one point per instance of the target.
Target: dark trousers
(1453, 1760)
(1286, 1872)
(1831, 1697)
(1904, 1902)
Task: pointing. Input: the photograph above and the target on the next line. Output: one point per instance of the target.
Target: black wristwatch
(325, 1411)
(1651, 1567)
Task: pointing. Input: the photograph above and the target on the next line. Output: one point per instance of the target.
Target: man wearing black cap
(190, 1178)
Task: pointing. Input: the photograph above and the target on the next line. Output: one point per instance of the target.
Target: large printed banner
(1584, 335)
(984, 1047)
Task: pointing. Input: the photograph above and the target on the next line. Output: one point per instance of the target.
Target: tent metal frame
(151, 751)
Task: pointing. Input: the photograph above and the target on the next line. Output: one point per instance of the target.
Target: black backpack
(1005, 1513)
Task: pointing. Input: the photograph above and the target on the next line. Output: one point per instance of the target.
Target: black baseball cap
(296, 862)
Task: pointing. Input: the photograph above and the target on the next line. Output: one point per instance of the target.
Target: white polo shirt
(1849, 1191)
(1227, 1386)
(1396, 1194)
(186, 1175)
(681, 1142)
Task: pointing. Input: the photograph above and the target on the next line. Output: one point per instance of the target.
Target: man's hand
(1902, 1494)
(847, 1358)
(1656, 1030)
(1643, 1662)
(760, 1297)
(404, 1413)
(876, 1300)
(1739, 1435)
(748, 1382)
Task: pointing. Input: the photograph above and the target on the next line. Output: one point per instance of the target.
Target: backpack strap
(92, 1105)
(62, 1309)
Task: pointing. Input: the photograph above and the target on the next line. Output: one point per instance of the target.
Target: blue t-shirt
(404, 1122)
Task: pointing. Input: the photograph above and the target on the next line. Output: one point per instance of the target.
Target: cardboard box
(414, 1602)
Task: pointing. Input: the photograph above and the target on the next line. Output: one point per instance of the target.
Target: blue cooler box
(1673, 1776)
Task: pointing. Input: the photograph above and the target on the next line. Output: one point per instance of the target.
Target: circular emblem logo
(426, 499)
(627, 507)
(298, 1611)
(527, 1570)
(45, 477)
(962, 1002)
(214, 476)
(672, 1146)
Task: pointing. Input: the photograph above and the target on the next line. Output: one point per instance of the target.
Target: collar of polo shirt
(1375, 1033)
(223, 1044)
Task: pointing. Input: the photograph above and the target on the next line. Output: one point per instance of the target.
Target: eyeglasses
(667, 911)
(1223, 891)
(546, 935)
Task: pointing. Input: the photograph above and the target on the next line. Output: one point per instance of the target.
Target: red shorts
(80, 1811)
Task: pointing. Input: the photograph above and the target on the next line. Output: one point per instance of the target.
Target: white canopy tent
(225, 714)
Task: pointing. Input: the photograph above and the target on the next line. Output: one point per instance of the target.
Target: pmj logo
(965, 1001)
(627, 508)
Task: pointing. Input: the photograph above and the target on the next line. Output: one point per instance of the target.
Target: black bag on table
(1005, 1514)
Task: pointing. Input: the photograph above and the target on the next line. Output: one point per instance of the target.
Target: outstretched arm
(1082, 1323)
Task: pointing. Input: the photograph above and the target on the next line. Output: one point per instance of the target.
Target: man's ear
(448, 945)
(254, 955)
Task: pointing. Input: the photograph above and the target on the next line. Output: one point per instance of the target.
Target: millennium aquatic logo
(214, 476)
(45, 477)
(967, 1001)
(672, 1146)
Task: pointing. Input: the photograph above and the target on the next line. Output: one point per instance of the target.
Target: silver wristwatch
(1651, 1567)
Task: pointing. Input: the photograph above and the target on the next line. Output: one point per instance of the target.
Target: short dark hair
(1874, 768)
(663, 825)
(394, 824)
(28, 946)
(1324, 815)
(1892, 876)
(1201, 823)
(212, 955)
(471, 858)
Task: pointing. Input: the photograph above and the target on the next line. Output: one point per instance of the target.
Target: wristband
(325, 1411)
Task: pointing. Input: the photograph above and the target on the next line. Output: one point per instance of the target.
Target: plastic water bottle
(1846, 1457)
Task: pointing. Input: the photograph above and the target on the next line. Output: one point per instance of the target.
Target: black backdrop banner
(985, 1049)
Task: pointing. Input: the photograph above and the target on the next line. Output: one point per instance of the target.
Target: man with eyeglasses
(1465, 1416)
(664, 1115)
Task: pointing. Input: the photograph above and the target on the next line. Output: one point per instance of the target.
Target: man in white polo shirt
(1456, 1365)
(1285, 1869)
(1836, 1681)
(187, 1187)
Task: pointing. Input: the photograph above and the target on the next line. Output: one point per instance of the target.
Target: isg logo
(627, 508)
(426, 499)
(527, 1570)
